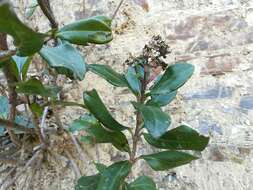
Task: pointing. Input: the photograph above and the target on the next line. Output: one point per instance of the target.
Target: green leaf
(26, 40)
(24, 121)
(142, 183)
(155, 120)
(88, 182)
(133, 81)
(95, 105)
(4, 108)
(180, 138)
(4, 111)
(31, 9)
(174, 77)
(65, 104)
(107, 73)
(83, 123)
(100, 167)
(167, 160)
(37, 109)
(65, 59)
(95, 30)
(35, 87)
(98, 134)
(22, 64)
(113, 176)
(161, 99)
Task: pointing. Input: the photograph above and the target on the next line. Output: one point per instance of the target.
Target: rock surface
(216, 36)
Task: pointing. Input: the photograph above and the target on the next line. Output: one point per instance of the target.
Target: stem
(11, 79)
(140, 99)
(46, 9)
(117, 9)
(36, 122)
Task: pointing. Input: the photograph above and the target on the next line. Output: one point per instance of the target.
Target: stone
(208, 127)
(211, 93)
(247, 102)
(219, 65)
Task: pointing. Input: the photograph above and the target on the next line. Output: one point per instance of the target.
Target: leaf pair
(34, 87)
(95, 30)
(95, 105)
(4, 113)
(98, 134)
(26, 40)
(64, 58)
(165, 89)
(180, 138)
(111, 178)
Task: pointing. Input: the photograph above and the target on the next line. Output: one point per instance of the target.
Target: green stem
(140, 99)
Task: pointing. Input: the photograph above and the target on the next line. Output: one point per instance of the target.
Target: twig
(79, 149)
(64, 104)
(11, 79)
(74, 165)
(36, 122)
(8, 175)
(7, 160)
(21, 172)
(43, 120)
(117, 9)
(38, 164)
(46, 9)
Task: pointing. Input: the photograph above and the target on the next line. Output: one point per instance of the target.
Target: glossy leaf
(65, 59)
(98, 134)
(4, 108)
(100, 167)
(95, 30)
(35, 87)
(155, 120)
(161, 99)
(4, 111)
(167, 160)
(95, 105)
(113, 176)
(22, 64)
(37, 109)
(180, 138)
(24, 121)
(108, 74)
(26, 40)
(88, 182)
(174, 77)
(133, 81)
(142, 183)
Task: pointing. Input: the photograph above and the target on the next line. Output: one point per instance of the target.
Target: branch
(117, 9)
(43, 121)
(46, 9)
(8, 160)
(11, 79)
(140, 99)
(29, 163)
